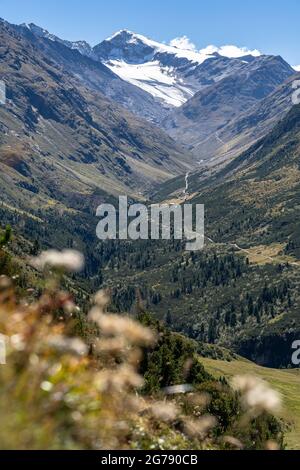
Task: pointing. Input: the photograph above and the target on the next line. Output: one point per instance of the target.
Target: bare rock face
(203, 123)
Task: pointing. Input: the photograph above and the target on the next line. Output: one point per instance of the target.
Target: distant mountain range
(61, 133)
(169, 73)
(201, 98)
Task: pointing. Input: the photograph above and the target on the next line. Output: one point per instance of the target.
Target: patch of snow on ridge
(296, 67)
(156, 80)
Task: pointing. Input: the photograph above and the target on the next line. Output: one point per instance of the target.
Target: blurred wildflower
(233, 442)
(199, 400)
(101, 299)
(68, 345)
(272, 445)
(124, 377)
(164, 411)
(46, 386)
(5, 283)
(256, 394)
(116, 325)
(111, 345)
(60, 391)
(18, 342)
(67, 260)
(199, 427)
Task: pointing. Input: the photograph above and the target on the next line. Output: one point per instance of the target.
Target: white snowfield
(159, 81)
(164, 82)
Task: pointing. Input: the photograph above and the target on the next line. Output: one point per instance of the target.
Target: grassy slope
(287, 382)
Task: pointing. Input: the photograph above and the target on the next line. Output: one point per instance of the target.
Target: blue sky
(271, 26)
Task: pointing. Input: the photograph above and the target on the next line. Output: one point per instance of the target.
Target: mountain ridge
(201, 122)
(53, 126)
(162, 83)
(156, 62)
(143, 62)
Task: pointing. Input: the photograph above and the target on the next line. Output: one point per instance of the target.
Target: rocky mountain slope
(201, 123)
(254, 123)
(78, 58)
(60, 138)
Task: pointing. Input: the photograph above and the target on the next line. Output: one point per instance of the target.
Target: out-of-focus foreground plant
(62, 391)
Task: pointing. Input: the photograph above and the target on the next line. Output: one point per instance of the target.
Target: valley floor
(287, 382)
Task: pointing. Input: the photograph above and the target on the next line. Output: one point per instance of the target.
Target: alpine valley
(162, 123)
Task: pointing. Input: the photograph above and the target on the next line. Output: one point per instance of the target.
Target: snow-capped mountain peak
(129, 46)
(172, 72)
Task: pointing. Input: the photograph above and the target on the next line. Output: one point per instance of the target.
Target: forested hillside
(101, 380)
